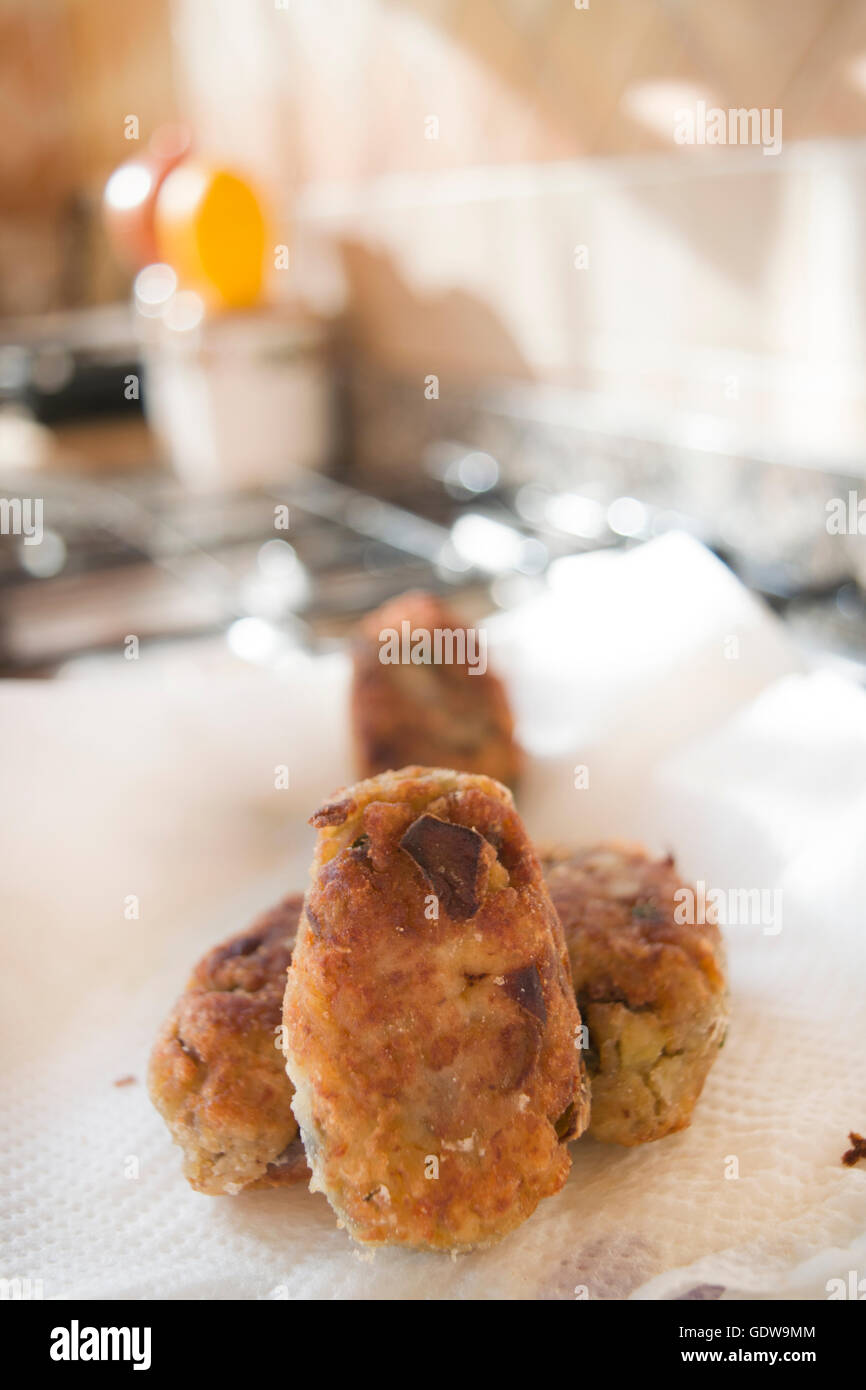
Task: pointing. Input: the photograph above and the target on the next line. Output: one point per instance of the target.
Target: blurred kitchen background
(437, 277)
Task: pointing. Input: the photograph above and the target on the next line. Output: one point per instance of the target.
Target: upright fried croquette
(431, 1028)
(651, 990)
(422, 693)
(217, 1074)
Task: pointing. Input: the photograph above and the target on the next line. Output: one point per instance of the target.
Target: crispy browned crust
(421, 1044)
(438, 715)
(651, 991)
(217, 1074)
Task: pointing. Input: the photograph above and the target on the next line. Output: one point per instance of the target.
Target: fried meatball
(651, 990)
(217, 1074)
(431, 1028)
(443, 711)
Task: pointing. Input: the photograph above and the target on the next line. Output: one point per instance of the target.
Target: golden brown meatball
(651, 990)
(217, 1074)
(430, 1022)
(441, 711)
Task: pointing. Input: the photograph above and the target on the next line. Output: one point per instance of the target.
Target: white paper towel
(158, 785)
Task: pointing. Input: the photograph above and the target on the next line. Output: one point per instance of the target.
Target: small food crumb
(857, 1150)
(126, 1081)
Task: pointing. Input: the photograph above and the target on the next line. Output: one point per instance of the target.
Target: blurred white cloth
(155, 785)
